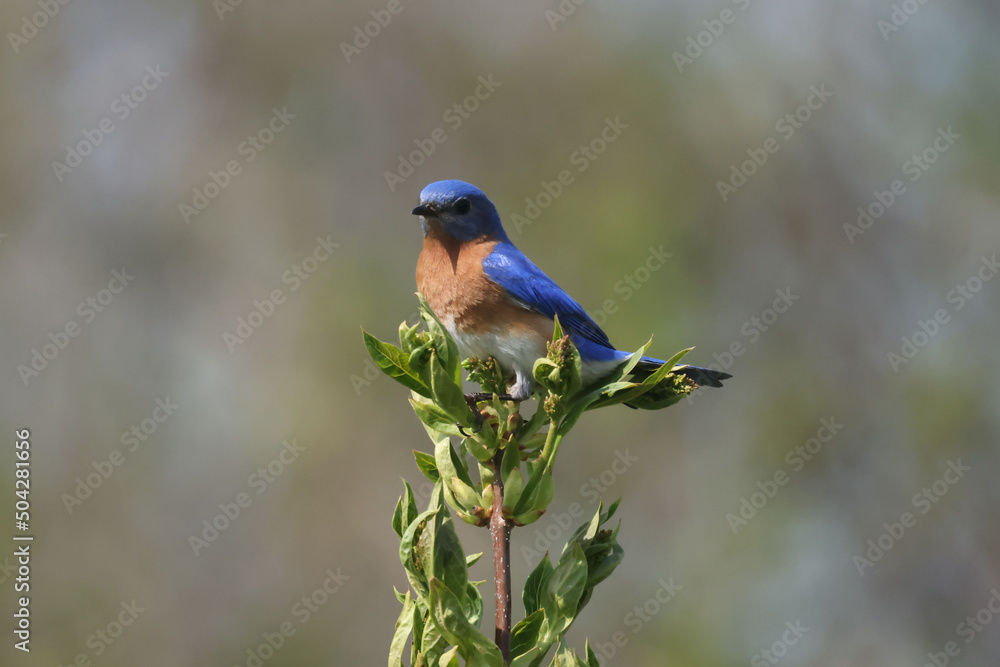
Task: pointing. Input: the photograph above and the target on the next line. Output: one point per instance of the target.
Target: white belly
(516, 356)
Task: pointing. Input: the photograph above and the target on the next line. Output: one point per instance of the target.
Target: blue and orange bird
(496, 303)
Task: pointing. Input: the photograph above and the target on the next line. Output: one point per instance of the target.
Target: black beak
(424, 210)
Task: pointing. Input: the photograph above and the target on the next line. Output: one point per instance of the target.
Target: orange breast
(450, 276)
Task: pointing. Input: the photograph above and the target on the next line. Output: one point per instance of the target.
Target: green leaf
(529, 428)
(634, 360)
(665, 369)
(421, 616)
(615, 389)
(427, 465)
(544, 493)
(561, 596)
(432, 643)
(466, 496)
(513, 478)
(668, 391)
(460, 495)
(532, 658)
(434, 417)
(660, 389)
(482, 445)
(564, 657)
(450, 658)
(674, 360)
(617, 393)
(542, 371)
(576, 376)
(472, 559)
(612, 509)
(404, 625)
(512, 488)
(602, 559)
(445, 346)
(535, 584)
(407, 336)
(474, 610)
(511, 460)
(591, 656)
(448, 564)
(450, 466)
(414, 552)
(447, 394)
(524, 636)
(391, 360)
(600, 547)
(406, 510)
(537, 493)
(527, 518)
(459, 466)
(448, 615)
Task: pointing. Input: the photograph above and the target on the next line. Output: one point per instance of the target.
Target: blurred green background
(700, 93)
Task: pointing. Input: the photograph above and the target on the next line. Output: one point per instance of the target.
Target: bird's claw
(479, 427)
(471, 399)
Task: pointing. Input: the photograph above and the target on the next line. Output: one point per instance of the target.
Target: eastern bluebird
(496, 303)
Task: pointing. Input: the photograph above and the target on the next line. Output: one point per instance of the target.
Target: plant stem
(550, 438)
(500, 530)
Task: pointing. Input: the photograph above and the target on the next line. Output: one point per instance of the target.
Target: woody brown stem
(500, 530)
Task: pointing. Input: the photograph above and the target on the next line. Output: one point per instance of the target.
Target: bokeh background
(355, 107)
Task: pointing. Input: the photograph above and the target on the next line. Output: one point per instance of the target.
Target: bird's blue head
(460, 210)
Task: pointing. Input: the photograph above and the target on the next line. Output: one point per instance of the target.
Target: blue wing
(526, 284)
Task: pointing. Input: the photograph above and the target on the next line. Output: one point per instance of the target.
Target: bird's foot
(473, 399)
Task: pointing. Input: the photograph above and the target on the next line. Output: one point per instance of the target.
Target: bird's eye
(462, 206)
